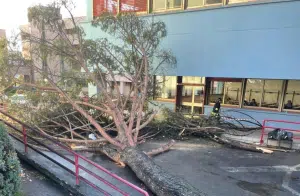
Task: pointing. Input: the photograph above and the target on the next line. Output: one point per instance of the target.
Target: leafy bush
(9, 166)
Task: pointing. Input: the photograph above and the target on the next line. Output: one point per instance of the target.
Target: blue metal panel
(246, 41)
(253, 41)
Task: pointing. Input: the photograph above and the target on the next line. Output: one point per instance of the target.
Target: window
(133, 6)
(201, 3)
(26, 78)
(193, 80)
(211, 2)
(216, 91)
(253, 92)
(173, 4)
(165, 87)
(187, 94)
(102, 6)
(71, 31)
(195, 3)
(263, 93)
(232, 91)
(159, 5)
(228, 91)
(240, 1)
(292, 95)
(127, 88)
(192, 94)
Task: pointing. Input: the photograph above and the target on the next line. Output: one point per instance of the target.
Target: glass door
(192, 99)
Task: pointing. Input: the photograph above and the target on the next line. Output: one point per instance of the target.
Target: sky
(13, 13)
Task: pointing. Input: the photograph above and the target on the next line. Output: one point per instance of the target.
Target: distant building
(54, 65)
(18, 67)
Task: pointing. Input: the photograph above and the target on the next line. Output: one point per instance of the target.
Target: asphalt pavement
(222, 171)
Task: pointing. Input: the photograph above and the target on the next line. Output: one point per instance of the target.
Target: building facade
(53, 64)
(18, 67)
(244, 52)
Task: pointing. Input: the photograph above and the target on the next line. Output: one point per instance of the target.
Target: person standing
(216, 109)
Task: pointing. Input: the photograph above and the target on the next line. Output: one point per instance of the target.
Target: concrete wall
(256, 41)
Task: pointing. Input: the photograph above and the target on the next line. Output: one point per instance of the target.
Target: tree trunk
(159, 181)
(240, 145)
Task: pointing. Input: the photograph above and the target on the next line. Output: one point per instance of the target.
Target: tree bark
(161, 149)
(240, 145)
(159, 181)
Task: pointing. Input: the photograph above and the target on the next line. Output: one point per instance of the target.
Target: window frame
(171, 100)
(165, 8)
(192, 104)
(260, 107)
(226, 80)
(283, 100)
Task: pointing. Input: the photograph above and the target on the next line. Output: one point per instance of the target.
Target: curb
(44, 171)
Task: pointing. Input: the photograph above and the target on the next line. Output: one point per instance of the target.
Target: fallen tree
(212, 128)
(135, 58)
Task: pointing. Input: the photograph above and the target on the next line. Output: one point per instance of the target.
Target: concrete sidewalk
(33, 183)
(67, 180)
(254, 138)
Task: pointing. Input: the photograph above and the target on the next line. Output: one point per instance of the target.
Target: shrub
(9, 166)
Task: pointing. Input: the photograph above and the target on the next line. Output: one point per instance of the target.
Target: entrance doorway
(192, 99)
(190, 94)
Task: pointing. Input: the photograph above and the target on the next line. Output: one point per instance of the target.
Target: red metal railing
(76, 162)
(264, 127)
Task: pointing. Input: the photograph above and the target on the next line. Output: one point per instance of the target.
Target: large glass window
(193, 91)
(271, 94)
(187, 94)
(263, 93)
(216, 91)
(228, 92)
(165, 87)
(160, 5)
(292, 95)
(253, 92)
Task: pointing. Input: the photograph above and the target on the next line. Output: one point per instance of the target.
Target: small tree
(10, 62)
(9, 166)
(135, 55)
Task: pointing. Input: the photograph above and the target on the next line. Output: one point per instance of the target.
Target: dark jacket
(217, 107)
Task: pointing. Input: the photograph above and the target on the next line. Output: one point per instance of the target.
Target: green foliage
(3, 61)
(40, 15)
(9, 166)
(133, 36)
(10, 61)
